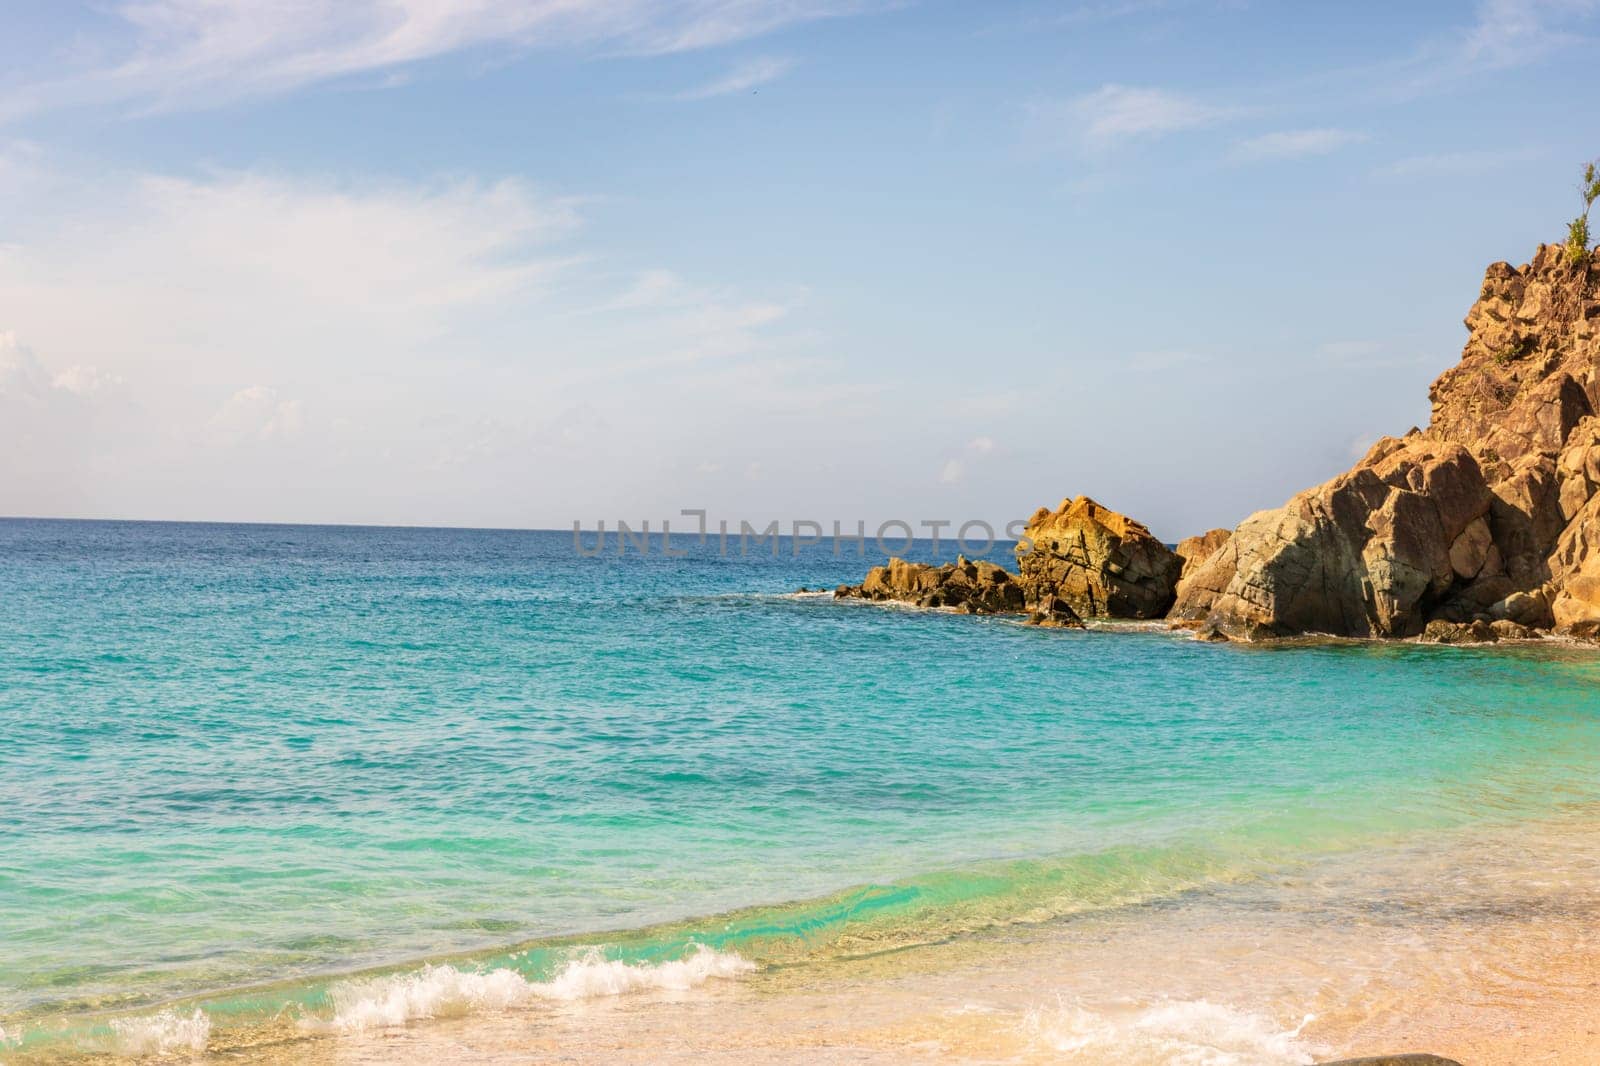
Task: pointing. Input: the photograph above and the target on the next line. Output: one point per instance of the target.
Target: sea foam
(443, 991)
(161, 1034)
(1177, 1033)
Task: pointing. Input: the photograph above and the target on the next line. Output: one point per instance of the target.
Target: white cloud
(1360, 446)
(1512, 33)
(1502, 35)
(954, 471)
(747, 75)
(1354, 354)
(256, 412)
(246, 345)
(1168, 359)
(1114, 115)
(1447, 164)
(200, 53)
(1107, 11)
(84, 380)
(1294, 144)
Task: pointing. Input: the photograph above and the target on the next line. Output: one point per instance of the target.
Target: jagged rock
(1575, 568)
(1587, 631)
(1489, 513)
(976, 587)
(1101, 563)
(1505, 629)
(1366, 554)
(1194, 551)
(1476, 632)
(1055, 613)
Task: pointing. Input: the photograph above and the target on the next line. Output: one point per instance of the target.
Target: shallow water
(244, 763)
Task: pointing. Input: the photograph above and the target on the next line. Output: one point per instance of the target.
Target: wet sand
(1483, 949)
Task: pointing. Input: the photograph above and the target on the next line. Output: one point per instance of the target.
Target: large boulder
(1366, 554)
(976, 587)
(1489, 515)
(1097, 562)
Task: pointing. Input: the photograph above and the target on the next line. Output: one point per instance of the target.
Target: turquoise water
(240, 761)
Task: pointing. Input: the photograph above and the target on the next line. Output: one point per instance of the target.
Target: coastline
(1474, 944)
(1043, 817)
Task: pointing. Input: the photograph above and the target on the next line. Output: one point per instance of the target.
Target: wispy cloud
(1472, 161)
(175, 54)
(1363, 354)
(1502, 35)
(750, 74)
(406, 321)
(1113, 115)
(1293, 144)
(1168, 359)
(1511, 33)
(954, 470)
(1107, 11)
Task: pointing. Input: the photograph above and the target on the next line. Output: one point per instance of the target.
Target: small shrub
(1578, 228)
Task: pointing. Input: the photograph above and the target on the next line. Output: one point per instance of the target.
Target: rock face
(1196, 551)
(1367, 554)
(1490, 514)
(1097, 562)
(974, 587)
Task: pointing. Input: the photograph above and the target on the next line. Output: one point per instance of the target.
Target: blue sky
(519, 263)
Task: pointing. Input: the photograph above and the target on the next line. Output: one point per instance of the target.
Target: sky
(531, 262)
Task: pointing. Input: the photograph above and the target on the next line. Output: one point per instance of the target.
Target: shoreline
(1472, 943)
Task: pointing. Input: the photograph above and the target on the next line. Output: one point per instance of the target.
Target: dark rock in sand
(1396, 1060)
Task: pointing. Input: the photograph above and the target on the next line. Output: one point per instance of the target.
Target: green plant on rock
(1578, 228)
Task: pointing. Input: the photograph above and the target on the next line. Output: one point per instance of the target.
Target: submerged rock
(1055, 613)
(1098, 562)
(975, 587)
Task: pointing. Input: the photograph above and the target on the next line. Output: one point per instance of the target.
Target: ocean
(325, 780)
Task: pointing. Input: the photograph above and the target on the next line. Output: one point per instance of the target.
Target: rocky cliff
(1484, 525)
(1491, 513)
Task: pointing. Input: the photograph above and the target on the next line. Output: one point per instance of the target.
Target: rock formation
(1195, 551)
(974, 587)
(1097, 562)
(1490, 514)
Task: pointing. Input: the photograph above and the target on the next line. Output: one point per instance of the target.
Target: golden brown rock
(1489, 514)
(977, 587)
(1099, 562)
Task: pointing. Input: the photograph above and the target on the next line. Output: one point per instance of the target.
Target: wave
(161, 1034)
(1190, 1032)
(443, 991)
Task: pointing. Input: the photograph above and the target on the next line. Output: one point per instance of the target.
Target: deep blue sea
(239, 764)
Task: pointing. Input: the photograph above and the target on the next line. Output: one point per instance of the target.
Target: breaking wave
(162, 1033)
(1177, 1033)
(443, 991)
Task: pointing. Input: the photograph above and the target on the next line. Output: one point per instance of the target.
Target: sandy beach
(1480, 948)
